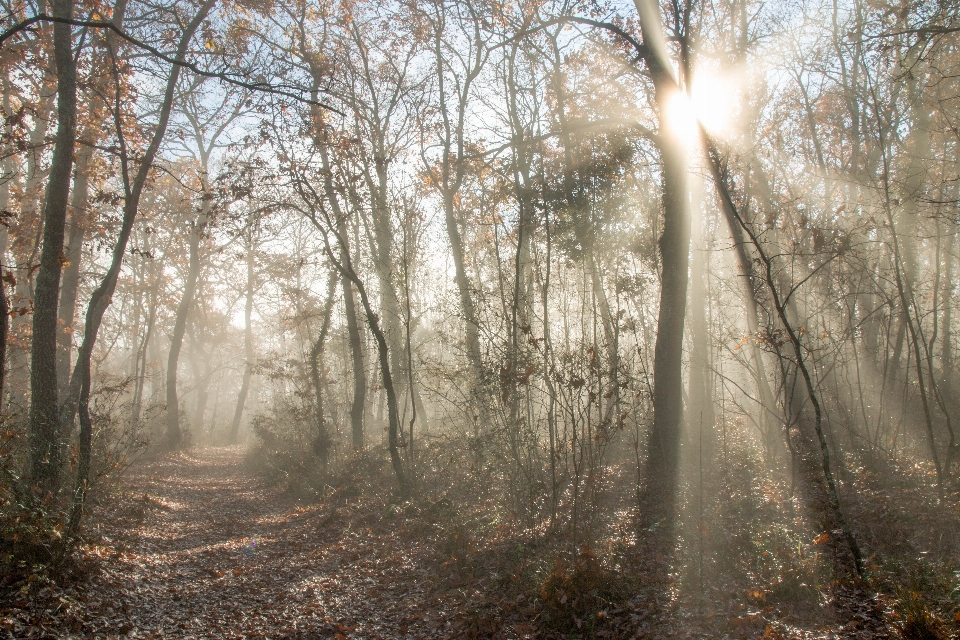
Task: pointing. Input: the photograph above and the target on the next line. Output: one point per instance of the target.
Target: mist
(464, 319)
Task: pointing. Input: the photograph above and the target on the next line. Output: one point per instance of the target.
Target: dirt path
(203, 550)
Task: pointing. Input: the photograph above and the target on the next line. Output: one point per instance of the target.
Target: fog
(466, 319)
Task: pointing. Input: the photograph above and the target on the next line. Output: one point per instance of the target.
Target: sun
(681, 117)
(709, 103)
(713, 96)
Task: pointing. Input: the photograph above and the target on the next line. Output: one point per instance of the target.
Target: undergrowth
(752, 557)
(40, 530)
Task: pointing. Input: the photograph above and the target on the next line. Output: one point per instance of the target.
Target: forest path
(201, 549)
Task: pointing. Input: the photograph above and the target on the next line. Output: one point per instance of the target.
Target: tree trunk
(44, 419)
(247, 342)
(664, 444)
(359, 373)
(449, 176)
(140, 360)
(6, 169)
(197, 227)
(103, 295)
(393, 414)
(336, 226)
(26, 242)
(383, 260)
(321, 445)
(472, 326)
(71, 274)
(350, 306)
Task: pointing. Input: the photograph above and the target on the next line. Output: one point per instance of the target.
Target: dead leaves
(205, 547)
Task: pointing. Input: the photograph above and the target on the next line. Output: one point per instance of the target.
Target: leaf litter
(199, 548)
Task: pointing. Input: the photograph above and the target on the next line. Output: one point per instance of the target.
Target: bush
(284, 453)
(576, 597)
(38, 531)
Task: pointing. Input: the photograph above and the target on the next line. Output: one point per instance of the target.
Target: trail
(202, 550)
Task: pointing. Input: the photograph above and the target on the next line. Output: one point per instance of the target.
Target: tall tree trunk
(71, 274)
(373, 322)
(345, 266)
(26, 242)
(359, 374)
(141, 356)
(197, 227)
(95, 94)
(247, 341)
(4, 330)
(383, 260)
(947, 345)
(336, 226)
(44, 418)
(321, 445)
(448, 177)
(664, 443)
(520, 303)
(416, 405)
(472, 325)
(358, 404)
(6, 169)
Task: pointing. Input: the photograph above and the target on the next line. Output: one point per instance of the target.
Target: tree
(77, 401)
(208, 125)
(44, 418)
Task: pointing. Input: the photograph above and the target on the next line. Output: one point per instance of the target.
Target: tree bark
(393, 414)
(350, 308)
(359, 374)
(664, 443)
(664, 447)
(4, 330)
(26, 242)
(6, 169)
(45, 429)
(71, 274)
(448, 177)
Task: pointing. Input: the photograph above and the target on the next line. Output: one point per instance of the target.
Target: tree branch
(263, 87)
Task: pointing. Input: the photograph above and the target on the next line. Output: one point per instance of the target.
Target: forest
(480, 319)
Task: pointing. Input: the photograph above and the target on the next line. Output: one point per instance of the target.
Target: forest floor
(199, 548)
(196, 545)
